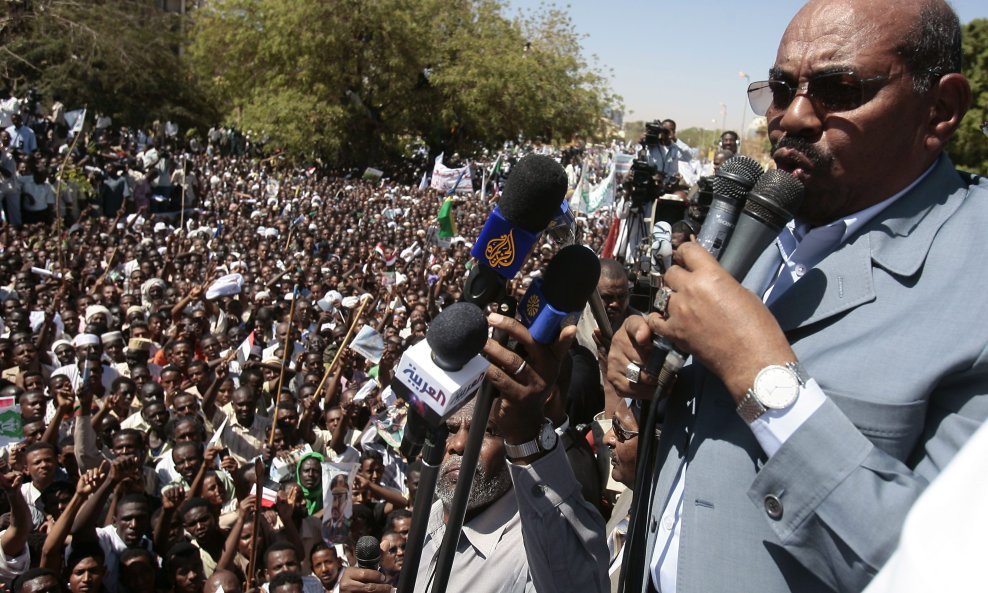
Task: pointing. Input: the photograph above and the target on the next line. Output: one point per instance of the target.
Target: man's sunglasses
(831, 92)
(622, 433)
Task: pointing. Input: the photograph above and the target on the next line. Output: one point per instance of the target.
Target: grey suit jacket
(891, 327)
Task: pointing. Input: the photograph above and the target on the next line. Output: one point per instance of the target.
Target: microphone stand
(432, 457)
(468, 468)
(634, 566)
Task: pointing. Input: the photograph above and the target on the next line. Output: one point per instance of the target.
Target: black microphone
(771, 205)
(733, 181)
(368, 552)
(532, 198)
(562, 292)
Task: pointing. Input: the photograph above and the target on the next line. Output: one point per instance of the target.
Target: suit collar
(843, 280)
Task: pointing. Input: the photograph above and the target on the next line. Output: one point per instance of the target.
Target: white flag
(75, 119)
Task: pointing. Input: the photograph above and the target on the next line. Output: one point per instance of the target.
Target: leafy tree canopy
(119, 57)
(969, 147)
(352, 81)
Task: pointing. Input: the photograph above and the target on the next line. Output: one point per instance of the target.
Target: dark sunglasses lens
(837, 92)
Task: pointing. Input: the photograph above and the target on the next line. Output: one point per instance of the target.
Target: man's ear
(951, 100)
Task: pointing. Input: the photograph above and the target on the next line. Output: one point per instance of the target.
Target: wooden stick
(185, 182)
(258, 496)
(58, 197)
(284, 363)
(339, 351)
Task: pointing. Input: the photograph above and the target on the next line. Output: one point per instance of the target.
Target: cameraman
(662, 151)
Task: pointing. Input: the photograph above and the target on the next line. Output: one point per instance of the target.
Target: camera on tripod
(699, 200)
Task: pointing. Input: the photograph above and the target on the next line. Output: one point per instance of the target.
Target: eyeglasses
(394, 549)
(622, 433)
(832, 92)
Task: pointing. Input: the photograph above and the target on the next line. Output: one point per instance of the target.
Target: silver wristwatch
(776, 388)
(545, 441)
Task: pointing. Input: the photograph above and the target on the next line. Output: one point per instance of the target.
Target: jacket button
(773, 506)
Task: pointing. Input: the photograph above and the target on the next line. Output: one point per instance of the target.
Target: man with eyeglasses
(822, 397)
(622, 442)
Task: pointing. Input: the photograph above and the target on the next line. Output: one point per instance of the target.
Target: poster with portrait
(337, 484)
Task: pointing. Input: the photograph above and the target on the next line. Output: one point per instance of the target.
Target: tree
(969, 147)
(353, 81)
(118, 57)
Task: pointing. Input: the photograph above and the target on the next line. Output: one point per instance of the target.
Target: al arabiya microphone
(368, 552)
(733, 181)
(532, 198)
(562, 292)
(770, 206)
(438, 375)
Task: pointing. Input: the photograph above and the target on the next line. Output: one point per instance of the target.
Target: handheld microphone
(562, 292)
(532, 197)
(770, 206)
(368, 552)
(436, 376)
(733, 181)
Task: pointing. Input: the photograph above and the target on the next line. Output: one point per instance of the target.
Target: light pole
(744, 109)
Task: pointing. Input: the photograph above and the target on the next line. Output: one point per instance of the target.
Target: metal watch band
(523, 450)
(750, 409)
(536, 445)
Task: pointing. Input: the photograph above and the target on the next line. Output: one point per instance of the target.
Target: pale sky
(706, 43)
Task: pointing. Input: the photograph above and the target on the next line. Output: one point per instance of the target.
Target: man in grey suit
(829, 389)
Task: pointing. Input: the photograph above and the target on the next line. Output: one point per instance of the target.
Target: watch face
(548, 436)
(776, 387)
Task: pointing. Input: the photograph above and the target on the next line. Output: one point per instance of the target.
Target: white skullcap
(86, 340)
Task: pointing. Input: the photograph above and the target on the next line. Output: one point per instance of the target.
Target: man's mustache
(803, 146)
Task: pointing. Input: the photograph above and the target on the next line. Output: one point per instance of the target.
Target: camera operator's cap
(111, 337)
(85, 340)
(228, 285)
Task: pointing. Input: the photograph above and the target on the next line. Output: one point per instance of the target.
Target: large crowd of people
(172, 313)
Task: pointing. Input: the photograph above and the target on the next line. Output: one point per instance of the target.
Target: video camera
(699, 200)
(653, 131)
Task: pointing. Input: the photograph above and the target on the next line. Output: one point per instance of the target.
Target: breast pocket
(892, 427)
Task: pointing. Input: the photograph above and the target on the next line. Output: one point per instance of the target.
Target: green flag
(447, 219)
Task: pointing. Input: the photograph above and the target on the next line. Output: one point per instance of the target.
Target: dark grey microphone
(368, 552)
(770, 206)
(733, 181)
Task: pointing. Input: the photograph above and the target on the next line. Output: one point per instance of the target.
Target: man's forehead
(831, 35)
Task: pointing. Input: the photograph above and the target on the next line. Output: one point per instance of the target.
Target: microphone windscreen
(533, 192)
(570, 277)
(775, 198)
(457, 335)
(741, 170)
(368, 552)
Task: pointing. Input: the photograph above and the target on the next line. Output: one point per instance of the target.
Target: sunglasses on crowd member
(830, 92)
(622, 433)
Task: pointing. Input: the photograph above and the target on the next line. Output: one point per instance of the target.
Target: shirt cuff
(545, 483)
(773, 428)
